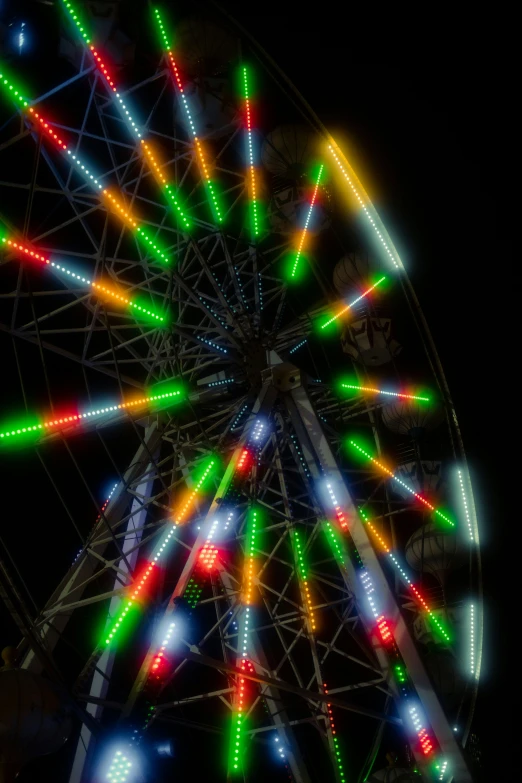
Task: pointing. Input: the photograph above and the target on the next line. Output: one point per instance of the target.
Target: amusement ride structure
(208, 315)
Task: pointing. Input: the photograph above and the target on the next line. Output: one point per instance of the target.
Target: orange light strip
(100, 288)
(384, 546)
(197, 142)
(402, 483)
(301, 568)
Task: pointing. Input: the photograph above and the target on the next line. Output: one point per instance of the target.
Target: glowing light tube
(406, 688)
(368, 209)
(345, 309)
(197, 142)
(119, 769)
(77, 21)
(384, 469)
(472, 656)
(104, 506)
(337, 750)
(303, 576)
(415, 591)
(99, 287)
(465, 504)
(138, 586)
(209, 552)
(250, 146)
(305, 229)
(127, 117)
(115, 203)
(381, 391)
(65, 421)
(238, 715)
(296, 347)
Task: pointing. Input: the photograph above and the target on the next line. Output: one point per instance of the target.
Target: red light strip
(99, 288)
(109, 78)
(244, 460)
(45, 126)
(405, 486)
(252, 171)
(139, 585)
(393, 256)
(385, 633)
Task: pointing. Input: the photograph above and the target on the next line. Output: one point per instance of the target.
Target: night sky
(421, 97)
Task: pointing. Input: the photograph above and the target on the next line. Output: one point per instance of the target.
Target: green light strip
(335, 543)
(381, 391)
(403, 485)
(137, 586)
(431, 615)
(13, 91)
(303, 574)
(99, 287)
(197, 142)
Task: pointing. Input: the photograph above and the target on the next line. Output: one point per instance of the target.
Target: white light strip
(393, 257)
(472, 660)
(465, 504)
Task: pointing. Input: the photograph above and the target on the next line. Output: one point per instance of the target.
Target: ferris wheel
(208, 317)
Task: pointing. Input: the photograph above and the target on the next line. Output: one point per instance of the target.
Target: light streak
(134, 128)
(250, 146)
(365, 208)
(238, 716)
(472, 657)
(209, 552)
(407, 579)
(381, 391)
(345, 309)
(380, 622)
(139, 585)
(99, 287)
(303, 574)
(50, 424)
(338, 510)
(405, 486)
(465, 504)
(116, 204)
(422, 734)
(221, 383)
(305, 229)
(299, 345)
(119, 769)
(197, 141)
(160, 656)
(77, 21)
(239, 417)
(337, 750)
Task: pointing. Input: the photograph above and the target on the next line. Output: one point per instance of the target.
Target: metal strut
(310, 432)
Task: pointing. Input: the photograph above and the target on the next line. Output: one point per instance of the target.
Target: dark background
(424, 97)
